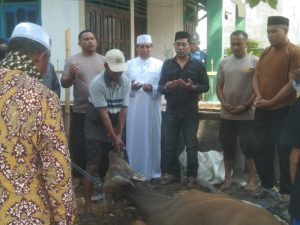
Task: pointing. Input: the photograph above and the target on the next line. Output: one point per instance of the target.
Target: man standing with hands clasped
(144, 112)
(274, 96)
(236, 95)
(182, 81)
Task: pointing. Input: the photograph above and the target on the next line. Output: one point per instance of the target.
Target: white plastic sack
(211, 166)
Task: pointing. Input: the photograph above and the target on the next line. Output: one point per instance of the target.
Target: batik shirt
(35, 175)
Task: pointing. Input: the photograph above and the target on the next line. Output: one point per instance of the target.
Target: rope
(83, 172)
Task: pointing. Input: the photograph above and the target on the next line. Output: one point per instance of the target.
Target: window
(15, 12)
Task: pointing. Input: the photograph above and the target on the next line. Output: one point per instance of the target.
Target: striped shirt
(103, 95)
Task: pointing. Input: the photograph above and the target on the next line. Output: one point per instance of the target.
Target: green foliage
(253, 3)
(252, 49)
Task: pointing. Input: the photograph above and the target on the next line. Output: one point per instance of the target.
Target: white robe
(143, 124)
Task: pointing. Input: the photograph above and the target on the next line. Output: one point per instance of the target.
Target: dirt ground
(125, 214)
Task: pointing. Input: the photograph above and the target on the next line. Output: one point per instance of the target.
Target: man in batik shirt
(35, 175)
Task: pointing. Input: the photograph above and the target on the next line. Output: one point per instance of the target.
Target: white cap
(32, 31)
(115, 60)
(143, 39)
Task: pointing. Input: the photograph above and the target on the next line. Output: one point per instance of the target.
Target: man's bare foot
(226, 185)
(250, 187)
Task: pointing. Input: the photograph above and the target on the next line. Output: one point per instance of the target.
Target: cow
(191, 208)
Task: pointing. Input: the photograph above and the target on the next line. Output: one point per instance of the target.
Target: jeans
(188, 125)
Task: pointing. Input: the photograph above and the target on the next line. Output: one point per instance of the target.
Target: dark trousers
(77, 143)
(188, 126)
(229, 131)
(268, 125)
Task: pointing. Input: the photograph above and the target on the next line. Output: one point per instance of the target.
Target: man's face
(43, 62)
(88, 42)
(277, 35)
(144, 50)
(194, 47)
(113, 76)
(238, 45)
(182, 47)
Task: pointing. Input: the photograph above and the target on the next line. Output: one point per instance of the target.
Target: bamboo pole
(67, 90)
(132, 45)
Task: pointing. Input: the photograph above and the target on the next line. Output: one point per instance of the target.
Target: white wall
(57, 17)
(165, 18)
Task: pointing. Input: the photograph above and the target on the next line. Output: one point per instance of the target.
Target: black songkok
(278, 20)
(182, 35)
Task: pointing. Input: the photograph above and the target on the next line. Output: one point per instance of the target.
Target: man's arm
(121, 120)
(117, 141)
(163, 79)
(284, 92)
(202, 84)
(220, 85)
(220, 94)
(255, 86)
(71, 71)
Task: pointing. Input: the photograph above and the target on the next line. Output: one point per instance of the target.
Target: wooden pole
(67, 90)
(132, 32)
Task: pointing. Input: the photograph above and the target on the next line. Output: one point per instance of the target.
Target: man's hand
(171, 85)
(118, 143)
(238, 109)
(147, 88)
(186, 85)
(135, 86)
(263, 103)
(75, 70)
(227, 106)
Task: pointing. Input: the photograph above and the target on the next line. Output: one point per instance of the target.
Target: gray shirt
(90, 66)
(103, 95)
(237, 74)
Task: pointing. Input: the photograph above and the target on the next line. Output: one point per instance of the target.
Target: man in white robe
(143, 126)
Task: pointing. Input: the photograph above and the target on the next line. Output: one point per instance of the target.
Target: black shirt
(182, 101)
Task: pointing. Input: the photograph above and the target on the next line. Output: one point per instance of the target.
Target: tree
(253, 48)
(253, 3)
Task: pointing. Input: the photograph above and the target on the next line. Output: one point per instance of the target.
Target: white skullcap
(143, 39)
(32, 31)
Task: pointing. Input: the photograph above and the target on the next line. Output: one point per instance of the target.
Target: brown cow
(192, 208)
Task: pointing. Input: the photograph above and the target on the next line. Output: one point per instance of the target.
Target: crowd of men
(117, 107)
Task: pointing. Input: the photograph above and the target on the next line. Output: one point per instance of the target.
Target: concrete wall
(57, 17)
(165, 18)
